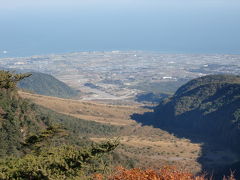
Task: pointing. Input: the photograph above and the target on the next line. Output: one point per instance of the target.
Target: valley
(110, 96)
(120, 90)
(145, 145)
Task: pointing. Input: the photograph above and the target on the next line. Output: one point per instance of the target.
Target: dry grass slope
(115, 115)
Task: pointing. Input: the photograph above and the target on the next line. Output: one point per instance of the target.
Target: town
(121, 75)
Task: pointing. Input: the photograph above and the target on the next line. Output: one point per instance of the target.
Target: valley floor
(148, 146)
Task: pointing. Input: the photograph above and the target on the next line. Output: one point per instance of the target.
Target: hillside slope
(48, 85)
(20, 119)
(208, 106)
(107, 114)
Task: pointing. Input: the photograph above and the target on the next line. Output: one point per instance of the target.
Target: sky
(31, 27)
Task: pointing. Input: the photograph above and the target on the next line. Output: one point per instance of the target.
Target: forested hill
(208, 106)
(36, 143)
(20, 119)
(48, 85)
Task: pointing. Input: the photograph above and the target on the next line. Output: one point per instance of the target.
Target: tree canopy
(9, 80)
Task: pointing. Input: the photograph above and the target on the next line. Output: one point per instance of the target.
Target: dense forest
(206, 108)
(209, 105)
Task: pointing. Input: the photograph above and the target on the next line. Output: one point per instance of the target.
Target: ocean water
(206, 26)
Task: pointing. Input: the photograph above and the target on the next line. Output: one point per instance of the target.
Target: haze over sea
(170, 26)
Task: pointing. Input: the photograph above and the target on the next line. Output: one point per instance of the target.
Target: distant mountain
(48, 85)
(208, 106)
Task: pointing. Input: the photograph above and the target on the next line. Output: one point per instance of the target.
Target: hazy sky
(30, 27)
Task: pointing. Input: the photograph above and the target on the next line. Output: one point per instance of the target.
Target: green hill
(207, 110)
(48, 85)
(208, 106)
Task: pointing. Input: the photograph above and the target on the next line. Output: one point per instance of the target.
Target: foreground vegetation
(65, 162)
(19, 119)
(165, 173)
(36, 143)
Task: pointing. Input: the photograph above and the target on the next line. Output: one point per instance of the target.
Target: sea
(206, 26)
